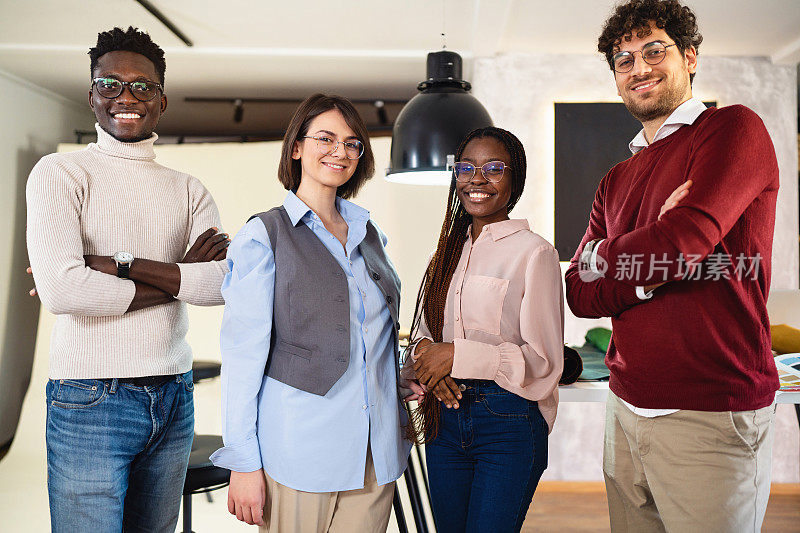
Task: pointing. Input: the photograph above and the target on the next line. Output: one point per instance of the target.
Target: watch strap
(123, 270)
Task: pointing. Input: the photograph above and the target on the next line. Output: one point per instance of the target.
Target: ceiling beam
(153, 10)
(788, 55)
(347, 53)
(244, 100)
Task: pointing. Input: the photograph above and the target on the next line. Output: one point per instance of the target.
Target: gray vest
(310, 342)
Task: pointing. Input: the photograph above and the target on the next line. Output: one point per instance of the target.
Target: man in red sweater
(678, 253)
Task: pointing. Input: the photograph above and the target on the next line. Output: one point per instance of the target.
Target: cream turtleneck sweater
(112, 196)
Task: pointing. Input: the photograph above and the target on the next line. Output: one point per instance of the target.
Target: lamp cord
(444, 28)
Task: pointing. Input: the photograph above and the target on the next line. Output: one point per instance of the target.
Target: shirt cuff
(244, 457)
(641, 294)
(475, 360)
(201, 282)
(126, 292)
(593, 258)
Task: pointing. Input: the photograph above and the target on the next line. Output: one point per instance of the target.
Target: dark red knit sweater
(701, 344)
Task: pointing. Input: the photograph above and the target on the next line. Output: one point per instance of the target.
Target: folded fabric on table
(600, 338)
(587, 362)
(594, 366)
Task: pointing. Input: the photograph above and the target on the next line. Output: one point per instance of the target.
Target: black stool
(201, 475)
(203, 370)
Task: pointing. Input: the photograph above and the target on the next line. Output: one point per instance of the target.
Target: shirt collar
(499, 230)
(350, 211)
(297, 209)
(685, 114)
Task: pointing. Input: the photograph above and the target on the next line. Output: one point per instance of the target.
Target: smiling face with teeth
(486, 202)
(319, 170)
(652, 92)
(125, 118)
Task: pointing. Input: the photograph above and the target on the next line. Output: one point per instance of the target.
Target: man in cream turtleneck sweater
(108, 229)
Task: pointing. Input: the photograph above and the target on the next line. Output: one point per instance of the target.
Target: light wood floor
(560, 506)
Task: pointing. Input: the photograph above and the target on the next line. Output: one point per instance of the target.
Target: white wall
(519, 91)
(32, 123)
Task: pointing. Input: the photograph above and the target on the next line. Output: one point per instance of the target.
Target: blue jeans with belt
(117, 453)
(486, 461)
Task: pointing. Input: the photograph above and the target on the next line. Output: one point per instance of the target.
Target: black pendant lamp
(430, 127)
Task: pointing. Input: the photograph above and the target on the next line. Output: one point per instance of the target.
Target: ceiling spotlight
(238, 110)
(380, 107)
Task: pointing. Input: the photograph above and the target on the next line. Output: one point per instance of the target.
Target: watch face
(123, 257)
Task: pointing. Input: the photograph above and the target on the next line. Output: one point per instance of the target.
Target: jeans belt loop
(114, 382)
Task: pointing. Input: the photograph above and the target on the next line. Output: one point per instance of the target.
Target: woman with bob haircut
(490, 322)
(312, 409)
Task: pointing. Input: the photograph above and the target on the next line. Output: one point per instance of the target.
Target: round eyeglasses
(652, 54)
(353, 148)
(492, 171)
(144, 91)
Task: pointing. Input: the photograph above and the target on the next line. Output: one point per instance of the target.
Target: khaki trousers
(364, 510)
(691, 471)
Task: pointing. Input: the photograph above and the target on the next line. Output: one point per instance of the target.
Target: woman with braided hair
(489, 322)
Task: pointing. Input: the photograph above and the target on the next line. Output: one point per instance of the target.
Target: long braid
(424, 424)
(432, 294)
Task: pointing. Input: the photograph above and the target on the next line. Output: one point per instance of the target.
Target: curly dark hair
(677, 20)
(130, 40)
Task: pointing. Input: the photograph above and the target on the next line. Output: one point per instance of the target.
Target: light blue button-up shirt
(305, 441)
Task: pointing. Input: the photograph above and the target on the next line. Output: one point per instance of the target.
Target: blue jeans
(486, 461)
(117, 453)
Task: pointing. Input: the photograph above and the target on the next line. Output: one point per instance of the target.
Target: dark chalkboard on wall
(590, 139)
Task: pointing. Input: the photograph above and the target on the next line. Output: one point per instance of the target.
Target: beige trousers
(691, 471)
(364, 510)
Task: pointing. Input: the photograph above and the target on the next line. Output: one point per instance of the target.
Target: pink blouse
(505, 313)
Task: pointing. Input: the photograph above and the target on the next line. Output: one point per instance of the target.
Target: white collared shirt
(684, 114)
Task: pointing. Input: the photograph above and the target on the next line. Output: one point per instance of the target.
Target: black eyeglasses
(144, 91)
(652, 54)
(492, 171)
(353, 148)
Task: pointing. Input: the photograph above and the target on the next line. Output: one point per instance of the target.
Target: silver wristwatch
(123, 261)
